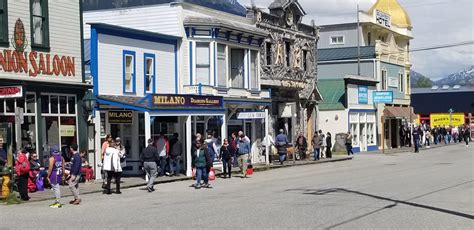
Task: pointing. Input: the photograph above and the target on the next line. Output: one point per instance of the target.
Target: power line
(437, 47)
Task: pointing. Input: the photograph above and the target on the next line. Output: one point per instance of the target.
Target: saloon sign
(33, 63)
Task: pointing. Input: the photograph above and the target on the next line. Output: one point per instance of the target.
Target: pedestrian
(106, 144)
(282, 144)
(466, 134)
(55, 175)
(323, 144)
(75, 174)
(176, 149)
(113, 168)
(316, 142)
(202, 160)
(233, 149)
(427, 138)
(22, 169)
(416, 138)
(243, 152)
(122, 152)
(301, 145)
(328, 145)
(402, 135)
(149, 158)
(86, 168)
(268, 142)
(211, 147)
(349, 143)
(226, 156)
(408, 136)
(162, 144)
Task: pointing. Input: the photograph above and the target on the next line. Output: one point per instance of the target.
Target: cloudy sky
(435, 22)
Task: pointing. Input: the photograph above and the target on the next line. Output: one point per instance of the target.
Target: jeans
(175, 167)
(282, 158)
(201, 174)
(151, 170)
(466, 139)
(446, 140)
(349, 149)
(316, 153)
(417, 145)
(227, 165)
(162, 165)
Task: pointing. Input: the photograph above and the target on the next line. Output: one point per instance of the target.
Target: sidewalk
(412, 149)
(130, 182)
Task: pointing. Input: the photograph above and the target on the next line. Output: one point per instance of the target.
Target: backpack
(210, 149)
(22, 166)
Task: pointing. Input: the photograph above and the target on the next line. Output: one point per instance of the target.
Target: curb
(256, 169)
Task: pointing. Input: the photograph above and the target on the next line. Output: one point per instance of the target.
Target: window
(203, 64)
(288, 53)
(384, 79)
(253, 70)
(39, 23)
(237, 69)
(369, 38)
(149, 72)
(129, 72)
(337, 40)
(3, 22)
(221, 66)
(408, 84)
(400, 82)
(268, 53)
(305, 60)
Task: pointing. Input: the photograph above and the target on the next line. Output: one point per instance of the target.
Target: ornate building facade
(289, 66)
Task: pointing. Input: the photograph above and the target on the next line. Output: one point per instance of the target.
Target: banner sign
(197, 101)
(250, 115)
(383, 18)
(393, 82)
(67, 130)
(443, 119)
(363, 94)
(383, 97)
(11, 92)
(120, 117)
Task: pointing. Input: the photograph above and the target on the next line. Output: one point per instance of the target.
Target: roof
(346, 53)
(333, 93)
(146, 33)
(212, 21)
(283, 4)
(361, 79)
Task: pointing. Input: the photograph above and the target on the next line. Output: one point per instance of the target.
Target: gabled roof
(333, 92)
(346, 53)
(283, 4)
(213, 21)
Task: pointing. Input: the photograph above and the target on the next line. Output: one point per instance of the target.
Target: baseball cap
(55, 150)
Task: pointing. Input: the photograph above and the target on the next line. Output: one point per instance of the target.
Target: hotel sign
(383, 18)
(120, 117)
(173, 100)
(11, 92)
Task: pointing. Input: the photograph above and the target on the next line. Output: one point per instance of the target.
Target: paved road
(429, 190)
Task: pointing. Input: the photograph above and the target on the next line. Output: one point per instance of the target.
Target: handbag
(212, 174)
(40, 184)
(194, 173)
(249, 170)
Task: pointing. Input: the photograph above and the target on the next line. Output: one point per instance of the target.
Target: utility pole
(358, 42)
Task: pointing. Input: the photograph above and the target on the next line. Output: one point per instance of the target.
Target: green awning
(333, 93)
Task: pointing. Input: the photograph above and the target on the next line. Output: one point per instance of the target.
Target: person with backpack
(22, 168)
(55, 175)
(211, 147)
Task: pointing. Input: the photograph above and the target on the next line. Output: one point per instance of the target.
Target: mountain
(229, 6)
(417, 80)
(463, 77)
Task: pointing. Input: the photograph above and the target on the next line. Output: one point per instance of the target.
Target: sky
(435, 22)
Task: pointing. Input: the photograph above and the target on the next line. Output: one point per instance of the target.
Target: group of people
(424, 135)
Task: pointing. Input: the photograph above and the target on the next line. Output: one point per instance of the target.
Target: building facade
(41, 75)
(288, 66)
(192, 70)
(376, 47)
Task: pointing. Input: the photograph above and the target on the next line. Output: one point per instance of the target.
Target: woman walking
(226, 156)
(202, 160)
(349, 143)
(328, 145)
(113, 168)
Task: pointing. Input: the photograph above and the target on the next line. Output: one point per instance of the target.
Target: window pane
(237, 68)
(63, 104)
(2, 106)
(202, 54)
(30, 103)
(149, 74)
(253, 70)
(68, 131)
(28, 131)
(44, 103)
(72, 105)
(202, 75)
(221, 66)
(37, 8)
(20, 103)
(38, 30)
(268, 52)
(54, 104)
(52, 131)
(128, 73)
(10, 105)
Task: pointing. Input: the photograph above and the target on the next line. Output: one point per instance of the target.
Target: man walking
(55, 175)
(75, 174)
(149, 159)
(243, 151)
(282, 144)
(416, 138)
(349, 143)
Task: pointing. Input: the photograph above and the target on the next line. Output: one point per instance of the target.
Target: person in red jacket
(22, 168)
(163, 146)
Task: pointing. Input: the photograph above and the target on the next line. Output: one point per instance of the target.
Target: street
(429, 190)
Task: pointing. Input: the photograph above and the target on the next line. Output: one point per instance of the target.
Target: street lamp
(88, 103)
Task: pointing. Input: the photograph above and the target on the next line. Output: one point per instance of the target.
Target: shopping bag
(194, 173)
(40, 184)
(212, 174)
(249, 170)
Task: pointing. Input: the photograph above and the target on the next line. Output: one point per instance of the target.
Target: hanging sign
(11, 92)
(67, 130)
(363, 94)
(120, 117)
(250, 115)
(383, 97)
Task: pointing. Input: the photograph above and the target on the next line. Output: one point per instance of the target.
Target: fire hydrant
(5, 186)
